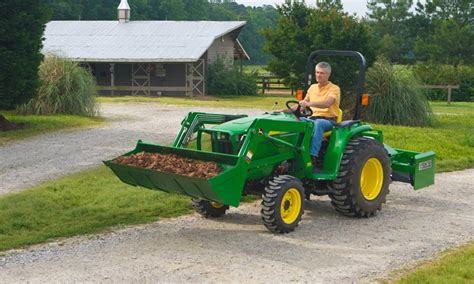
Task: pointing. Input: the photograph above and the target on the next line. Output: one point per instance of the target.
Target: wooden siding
(222, 47)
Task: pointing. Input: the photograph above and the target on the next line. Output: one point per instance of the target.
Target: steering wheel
(297, 112)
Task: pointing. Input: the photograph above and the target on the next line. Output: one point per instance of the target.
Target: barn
(150, 58)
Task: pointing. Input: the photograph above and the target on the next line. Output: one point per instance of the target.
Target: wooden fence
(448, 87)
(273, 84)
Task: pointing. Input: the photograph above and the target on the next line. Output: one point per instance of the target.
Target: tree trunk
(6, 125)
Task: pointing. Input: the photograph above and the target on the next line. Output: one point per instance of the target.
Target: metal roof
(135, 41)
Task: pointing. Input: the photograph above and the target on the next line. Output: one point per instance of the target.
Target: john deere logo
(425, 165)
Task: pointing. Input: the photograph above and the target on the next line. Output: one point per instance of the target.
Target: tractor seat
(338, 120)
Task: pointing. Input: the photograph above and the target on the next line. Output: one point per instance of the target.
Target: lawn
(40, 124)
(82, 203)
(453, 266)
(451, 137)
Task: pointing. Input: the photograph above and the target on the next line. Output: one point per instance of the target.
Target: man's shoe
(315, 161)
(317, 164)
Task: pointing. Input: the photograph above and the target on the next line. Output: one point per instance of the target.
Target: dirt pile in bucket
(171, 163)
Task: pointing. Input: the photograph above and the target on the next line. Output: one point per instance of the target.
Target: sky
(351, 6)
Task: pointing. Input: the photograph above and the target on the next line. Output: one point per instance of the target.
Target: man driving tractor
(323, 98)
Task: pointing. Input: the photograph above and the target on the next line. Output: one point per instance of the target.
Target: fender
(338, 140)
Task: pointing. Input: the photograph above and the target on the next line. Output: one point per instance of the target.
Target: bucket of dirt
(201, 174)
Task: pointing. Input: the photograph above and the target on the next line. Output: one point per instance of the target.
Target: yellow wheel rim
(217, 204)
(290, 206)
(371, 179)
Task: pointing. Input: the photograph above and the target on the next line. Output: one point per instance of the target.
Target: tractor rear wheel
(282, 204)
(364, 177)
(209, 208)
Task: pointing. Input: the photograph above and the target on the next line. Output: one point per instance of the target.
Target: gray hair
(323, 65)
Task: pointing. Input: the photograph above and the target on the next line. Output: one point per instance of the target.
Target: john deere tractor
(268, 155)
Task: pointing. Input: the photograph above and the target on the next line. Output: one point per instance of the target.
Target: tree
(22, 24)
(460, 11)
(329, 4)
(258, 18)
(389, 20)
(452, 40)
(301, 30)
(450, 44)
(196, 10)
(64, 10)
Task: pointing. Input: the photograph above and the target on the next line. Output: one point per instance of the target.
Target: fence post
(449, 95)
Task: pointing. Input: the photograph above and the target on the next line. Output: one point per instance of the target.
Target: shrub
(438, 74)
(229, 81)
(66, 88)
(395, 98)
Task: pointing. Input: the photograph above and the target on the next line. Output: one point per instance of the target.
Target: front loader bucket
(413, 167)
(225, 188)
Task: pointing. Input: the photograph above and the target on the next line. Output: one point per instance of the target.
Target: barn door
(141, 79)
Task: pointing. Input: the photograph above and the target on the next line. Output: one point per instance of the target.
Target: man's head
(323, 71)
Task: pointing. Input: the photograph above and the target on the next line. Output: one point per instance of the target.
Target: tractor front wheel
(208, 208)
(282, 204)
(364, 177)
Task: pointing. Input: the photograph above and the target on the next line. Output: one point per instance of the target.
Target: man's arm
(324, 104)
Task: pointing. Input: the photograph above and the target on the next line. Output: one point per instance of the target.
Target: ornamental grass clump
(395, 98)
(65, 88)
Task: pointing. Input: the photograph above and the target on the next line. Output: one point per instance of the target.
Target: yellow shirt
(316, 94)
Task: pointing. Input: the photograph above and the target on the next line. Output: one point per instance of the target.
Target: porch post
(112, 77)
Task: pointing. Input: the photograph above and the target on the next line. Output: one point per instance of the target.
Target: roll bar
(360, 81)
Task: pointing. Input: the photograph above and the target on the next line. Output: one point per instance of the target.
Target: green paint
(250, 148)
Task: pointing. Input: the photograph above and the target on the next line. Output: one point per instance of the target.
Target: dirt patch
(171, 163)
(6, 125)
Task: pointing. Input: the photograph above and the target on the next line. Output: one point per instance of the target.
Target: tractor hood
(240, 126)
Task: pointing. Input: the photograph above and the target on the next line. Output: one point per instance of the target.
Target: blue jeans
(320, 126)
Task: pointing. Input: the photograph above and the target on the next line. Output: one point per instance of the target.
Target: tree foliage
(390, 26)
(21, 29)
(452, 39)
(302, 29)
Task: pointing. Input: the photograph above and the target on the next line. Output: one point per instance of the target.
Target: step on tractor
(268, 155)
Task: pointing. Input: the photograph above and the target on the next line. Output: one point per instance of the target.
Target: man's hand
(304, 103)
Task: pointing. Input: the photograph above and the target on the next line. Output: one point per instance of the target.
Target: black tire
(208, 208)
(287, 192)
(363, 158)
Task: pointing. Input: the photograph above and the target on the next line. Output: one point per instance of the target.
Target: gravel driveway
(327, 247)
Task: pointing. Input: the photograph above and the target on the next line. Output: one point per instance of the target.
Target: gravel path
(327, 247)
(50, 156)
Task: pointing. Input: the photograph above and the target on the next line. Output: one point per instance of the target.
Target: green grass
(40, 124)
(451, 138)
(454, 266)
(82, 203)
(455, 108)
(259, 68)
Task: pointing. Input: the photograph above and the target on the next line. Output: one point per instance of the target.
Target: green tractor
(268, 155)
